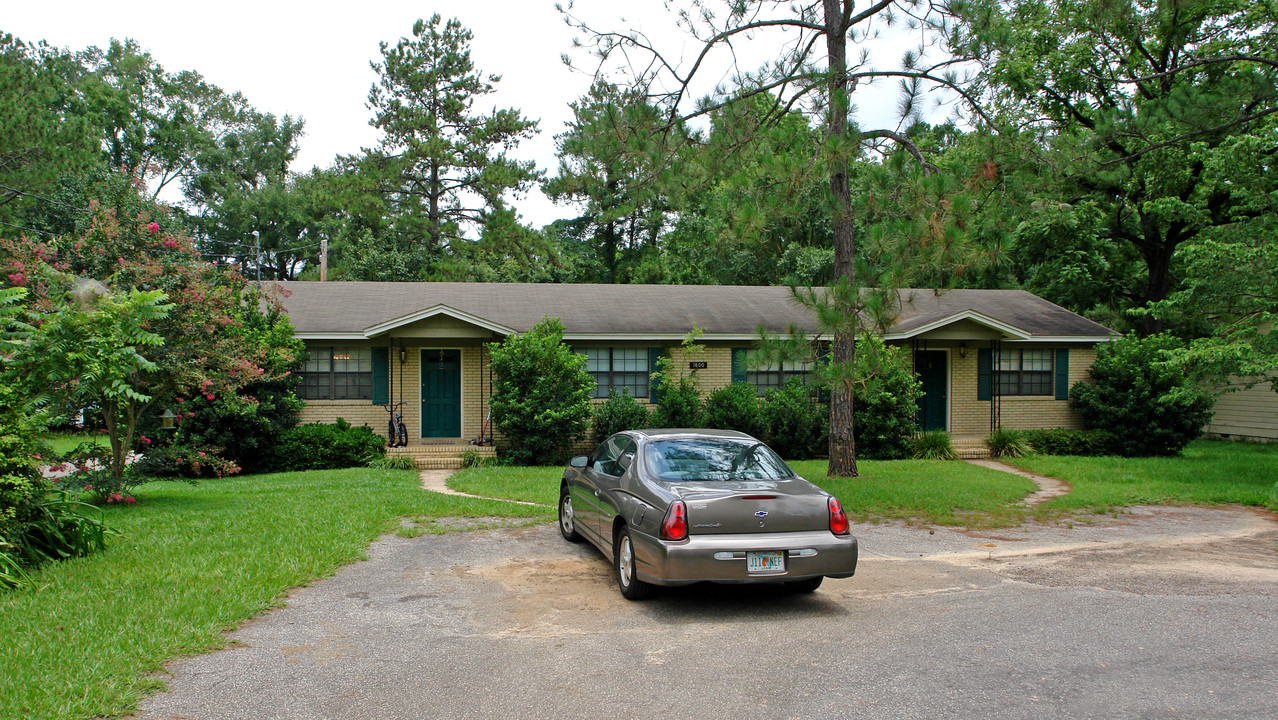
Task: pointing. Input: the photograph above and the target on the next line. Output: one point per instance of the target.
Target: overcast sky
(311, 59)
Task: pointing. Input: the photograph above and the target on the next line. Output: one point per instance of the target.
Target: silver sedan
(674, 507)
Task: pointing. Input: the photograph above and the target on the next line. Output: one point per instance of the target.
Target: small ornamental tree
(541, 394)
(210, 347)
(798, 425)
(1142, 398)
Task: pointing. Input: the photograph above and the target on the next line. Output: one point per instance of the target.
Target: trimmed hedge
(1058, 441)
(325, 447)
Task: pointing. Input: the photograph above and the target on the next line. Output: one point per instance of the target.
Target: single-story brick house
(423, 344)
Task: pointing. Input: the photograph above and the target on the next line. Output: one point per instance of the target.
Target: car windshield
(710, 459)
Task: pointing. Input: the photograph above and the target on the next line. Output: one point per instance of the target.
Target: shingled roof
(368, 309)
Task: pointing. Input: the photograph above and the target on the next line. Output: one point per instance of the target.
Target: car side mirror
(578, 461)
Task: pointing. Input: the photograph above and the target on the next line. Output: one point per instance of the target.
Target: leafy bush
(798, 427)
(36, 524)
(1059, 441)
(885, 396)
(541, 395)
(678, 404)
(735, 407)
(619, 412)
(1136, 393)
(1008, 443)
(933, 445)
(325, 447)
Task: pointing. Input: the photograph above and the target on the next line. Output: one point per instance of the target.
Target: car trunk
(751, 506)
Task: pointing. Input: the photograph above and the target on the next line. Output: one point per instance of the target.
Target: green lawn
(63, 443)
(939, 492)
(190, 563)
(1209, 473)
(933, 491)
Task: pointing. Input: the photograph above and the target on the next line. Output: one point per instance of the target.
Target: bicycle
(396, 433)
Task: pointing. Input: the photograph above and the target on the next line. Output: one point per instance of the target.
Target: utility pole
(257, 238)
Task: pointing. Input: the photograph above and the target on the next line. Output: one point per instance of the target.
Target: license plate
(765, 562)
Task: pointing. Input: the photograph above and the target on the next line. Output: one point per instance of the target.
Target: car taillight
(838, 518)
(674, 526)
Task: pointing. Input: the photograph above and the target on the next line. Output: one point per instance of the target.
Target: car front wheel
(567, 521)
(631, 587)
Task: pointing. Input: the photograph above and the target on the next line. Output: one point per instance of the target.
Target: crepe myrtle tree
(132, 281)
(541, 394)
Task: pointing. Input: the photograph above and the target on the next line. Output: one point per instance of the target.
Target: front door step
(441, 456)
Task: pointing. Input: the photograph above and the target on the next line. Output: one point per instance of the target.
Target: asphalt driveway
(1163, 613)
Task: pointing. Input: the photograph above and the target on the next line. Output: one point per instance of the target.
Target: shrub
(401, 462)
(324, 447)
(798, 426)
(933, 445)
(36, 524)
(678, 404)
(1008, 443)
(734, 407)
(885, 396)
(1136, 393)
(541, 395)
(1058, 441)
(619, 412)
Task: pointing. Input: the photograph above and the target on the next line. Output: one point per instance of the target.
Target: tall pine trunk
(839, 141)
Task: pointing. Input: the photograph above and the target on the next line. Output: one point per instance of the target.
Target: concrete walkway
(1048, 487)
(437, 481)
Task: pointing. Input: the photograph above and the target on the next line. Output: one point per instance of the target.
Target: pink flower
(208, 396)
(169, 243)
(129, 500)
(146, 440)
(153, 228)
(201, 453)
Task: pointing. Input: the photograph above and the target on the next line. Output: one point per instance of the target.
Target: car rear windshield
(711, 459)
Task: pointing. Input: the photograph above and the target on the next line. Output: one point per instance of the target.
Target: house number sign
(698, 365)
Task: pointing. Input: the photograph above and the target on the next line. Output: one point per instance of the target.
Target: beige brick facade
(967, 416)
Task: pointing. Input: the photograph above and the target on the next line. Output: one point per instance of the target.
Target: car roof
(661, 433)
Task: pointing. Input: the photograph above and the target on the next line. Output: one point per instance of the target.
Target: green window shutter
(738, 365)
(1062, 374)
(984, 374)
(824, 350)
(381, 375)
(654, 388)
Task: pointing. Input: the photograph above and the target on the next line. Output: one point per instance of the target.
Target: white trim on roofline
(723, 337)
(432, 311)
(1065, 339)
(974, 316)
(330, 336)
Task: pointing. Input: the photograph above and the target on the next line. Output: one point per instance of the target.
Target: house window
(619, 369)
(1024, 372)
(773, 376)
(338, 373)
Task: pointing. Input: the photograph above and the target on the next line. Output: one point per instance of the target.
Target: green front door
(931, 368)
(441, 393)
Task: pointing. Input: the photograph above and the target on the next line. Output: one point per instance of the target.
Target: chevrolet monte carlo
(675, 507)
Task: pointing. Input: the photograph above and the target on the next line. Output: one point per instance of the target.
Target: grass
(932, 491)
(63, 443)
(1208, 473)
(190, 563)
(529, 484)
(938, 492)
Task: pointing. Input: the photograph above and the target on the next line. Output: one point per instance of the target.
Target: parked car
(675, 507)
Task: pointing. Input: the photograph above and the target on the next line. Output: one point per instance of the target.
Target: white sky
(311, 59)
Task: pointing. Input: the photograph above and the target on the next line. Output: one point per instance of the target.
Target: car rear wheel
(805, 586)
(631, 587)
(567, 520)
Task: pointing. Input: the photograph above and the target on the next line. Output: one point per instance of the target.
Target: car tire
(805, 586)
(567, 519)
(623, 562)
